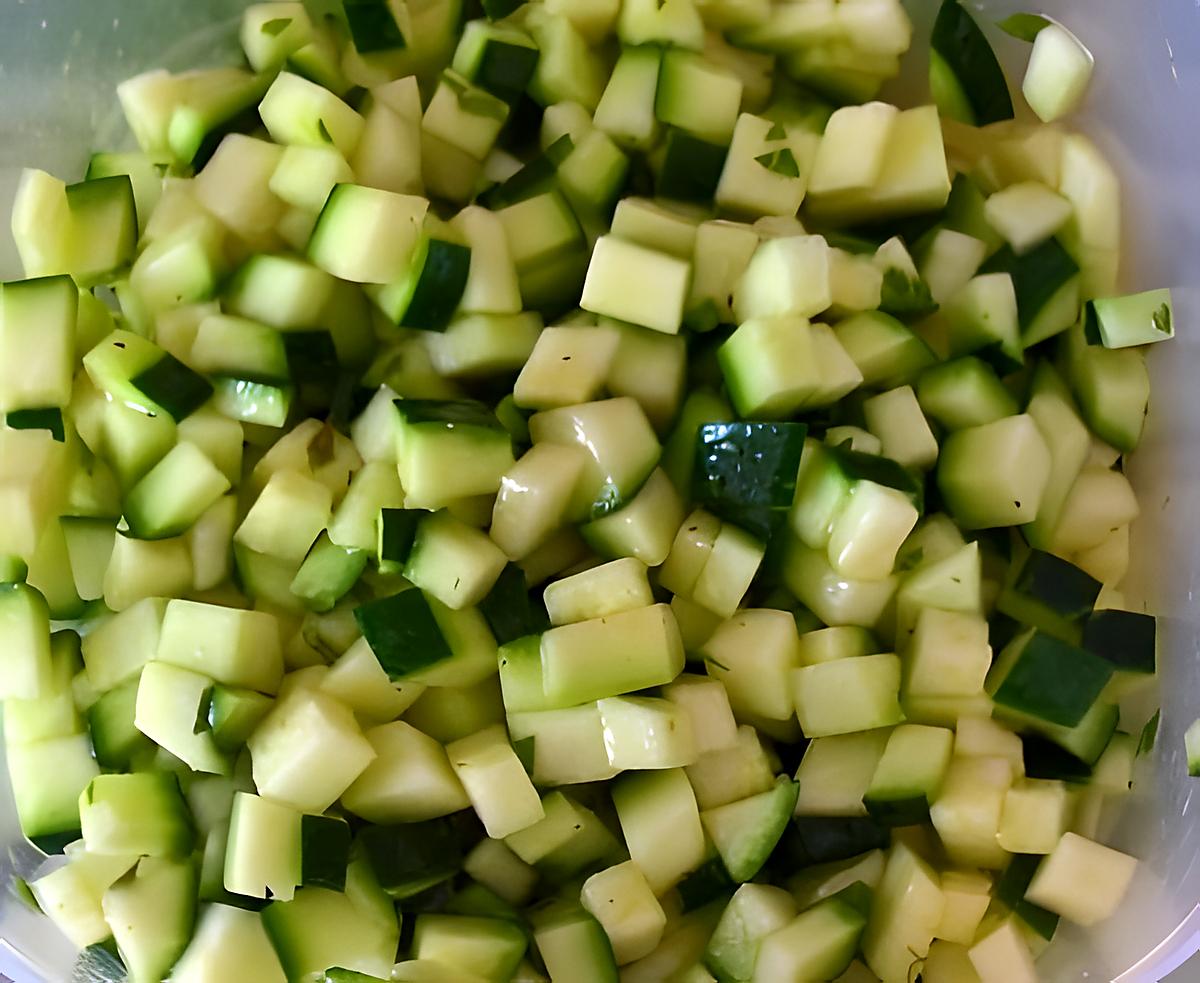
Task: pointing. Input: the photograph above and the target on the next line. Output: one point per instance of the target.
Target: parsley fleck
(1162, 319)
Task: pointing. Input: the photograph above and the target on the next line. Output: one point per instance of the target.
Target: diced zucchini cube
(1059, 71)
(623, 903)
(1082, 880)
(410, 779)
(848, 695)
(995, 474)
(869, 530)
(633, 283)
(366, 235)
(645, 733)
(608, 656)
(850, 155)
(786, 276)
(948, 654)
(753, 655)
(769, 366)
(495, 782)
(449, 450)
(308, 751)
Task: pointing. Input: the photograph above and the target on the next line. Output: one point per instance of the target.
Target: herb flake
(1149, 735)
(1162, 319)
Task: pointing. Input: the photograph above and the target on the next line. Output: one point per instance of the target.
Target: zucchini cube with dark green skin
(1037, 276)
(173, 386)
(534, 178)
(373, 26)
(137, 372)
(508, 609)
(691, 167)
(1047, 679)
(412, 857)
(105, 227)
(397, 528)
(324, 851)
(857, 466)
(1127, 639)
(428, 293)
(1135, 319)
(403, 633)
(1050, 594)
(327, 573)
(745, 473)
(1010, 891)
(500, 59)
(825, 839)
(706, 883)
(232, 714)
(448, 450)
(967, 81)
(1046, 760)
(909, 775)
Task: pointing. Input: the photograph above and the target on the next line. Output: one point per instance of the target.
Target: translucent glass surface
(59, 62)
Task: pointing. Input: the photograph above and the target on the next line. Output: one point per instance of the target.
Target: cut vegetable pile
(580, 493)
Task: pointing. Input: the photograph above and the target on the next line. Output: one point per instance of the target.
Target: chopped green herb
(1024, 27)
(1162, 319)
(905, 296)
(1149, 735)
(277, 26)
(777, 132)
(324, 131)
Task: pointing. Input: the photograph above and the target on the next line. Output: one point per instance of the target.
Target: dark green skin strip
(746, 472)
(505, 69)
(1045, 759)
(824, 839)
(459, 412)
(1053, 681)
(412, 856)
(691, 168)
(402, 633)
(398, 529)
(1060, 585)
(173, 386)
(439, 287)
(535, 178)
(509, 610)
(960, 42)
(881, 470)
(324, 851)
(1127, 639)
(1010, 891)
(707, 883)
(899, 812)
(372, 26)
(1037, 275)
